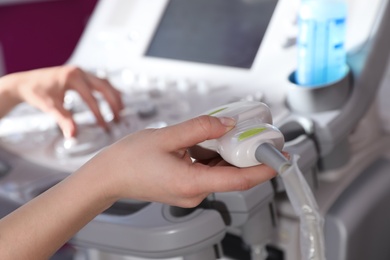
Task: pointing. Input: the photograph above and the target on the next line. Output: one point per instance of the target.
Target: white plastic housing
(254, 127)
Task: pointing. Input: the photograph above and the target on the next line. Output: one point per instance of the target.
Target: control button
(128, 77)
(89, 139)
(146, 109)
(143, 81)
(257, 96)
(155, 93)
(163, 83)
(183, 85)
(202, 87)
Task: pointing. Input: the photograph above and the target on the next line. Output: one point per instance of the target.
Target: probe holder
(314, 99)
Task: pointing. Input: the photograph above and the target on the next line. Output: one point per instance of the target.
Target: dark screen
(221, 32)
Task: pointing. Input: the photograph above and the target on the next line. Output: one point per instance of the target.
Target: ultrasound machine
(176, 59)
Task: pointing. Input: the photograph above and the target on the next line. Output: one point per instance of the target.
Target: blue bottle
(321, 42)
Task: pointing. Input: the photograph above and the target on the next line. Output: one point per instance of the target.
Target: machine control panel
(172, 60)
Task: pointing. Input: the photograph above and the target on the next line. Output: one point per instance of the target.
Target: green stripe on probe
(216, 111)
(250, 133)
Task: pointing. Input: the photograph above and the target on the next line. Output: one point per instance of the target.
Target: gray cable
(267, 153)
(301, 198)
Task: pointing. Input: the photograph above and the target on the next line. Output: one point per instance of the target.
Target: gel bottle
(321, 42)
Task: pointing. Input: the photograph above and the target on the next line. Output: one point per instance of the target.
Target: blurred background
(30, 28)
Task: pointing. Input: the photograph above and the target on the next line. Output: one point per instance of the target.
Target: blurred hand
(45, 89)
(154, 165)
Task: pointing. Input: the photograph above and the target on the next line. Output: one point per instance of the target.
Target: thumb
(196, 130)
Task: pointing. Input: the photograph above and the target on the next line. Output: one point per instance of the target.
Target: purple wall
(41, 34)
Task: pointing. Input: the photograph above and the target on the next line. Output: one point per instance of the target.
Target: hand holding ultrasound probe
(149, 165)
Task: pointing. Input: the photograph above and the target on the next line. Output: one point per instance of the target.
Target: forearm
(8, 94)
(42, 226)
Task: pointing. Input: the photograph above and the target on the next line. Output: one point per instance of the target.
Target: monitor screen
(220, 32)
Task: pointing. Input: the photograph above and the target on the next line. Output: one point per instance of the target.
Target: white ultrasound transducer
(253, 128)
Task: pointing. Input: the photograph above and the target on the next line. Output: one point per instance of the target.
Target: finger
(81, 85)
(195, 131)
(228, 178)
(110, 94)
(64, 120)
(217, 162)
(201, 154)
(222, 162)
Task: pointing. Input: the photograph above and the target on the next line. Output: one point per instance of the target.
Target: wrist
(9, 97)
(96, 176)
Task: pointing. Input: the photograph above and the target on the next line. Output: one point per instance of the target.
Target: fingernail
(227, 121)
